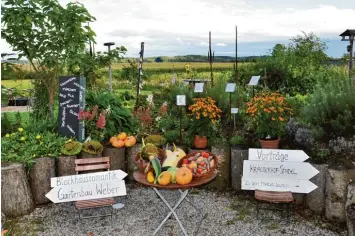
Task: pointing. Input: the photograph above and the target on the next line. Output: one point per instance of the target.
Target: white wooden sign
(87, 186)
(230, 87)
(88, 178)
(281, 155)
(278, 170)
(281, 185)
(181, 100)
(234, 110)
(77, 192)
(199, 87)
(254, 80)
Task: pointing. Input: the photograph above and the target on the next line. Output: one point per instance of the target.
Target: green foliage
(237, 140)
(292, 68)
(9, 123)
(118, 118)
(47, 34)
(23, 146)
(171, 136)
(297, 103)
(155, 139)
(71, 148)
(92, 147)
(332, 109)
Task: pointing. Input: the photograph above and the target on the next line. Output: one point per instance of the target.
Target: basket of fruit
(146, 154)
(200, 163)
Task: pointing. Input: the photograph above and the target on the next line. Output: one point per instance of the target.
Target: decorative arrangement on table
(269, 114)
(122, 140)
(204, 114)
(164, 167)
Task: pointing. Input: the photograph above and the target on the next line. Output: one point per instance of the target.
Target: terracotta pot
(269, 144)
(200, 141)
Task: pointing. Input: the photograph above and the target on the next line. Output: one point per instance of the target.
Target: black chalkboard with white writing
(71, 101)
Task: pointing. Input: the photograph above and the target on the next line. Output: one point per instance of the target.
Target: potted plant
(204, 115)
(269, 113)
(238, 141)
(95, 122)
(92, 148)
(66, 162)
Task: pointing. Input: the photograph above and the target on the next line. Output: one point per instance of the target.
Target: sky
(180, 27)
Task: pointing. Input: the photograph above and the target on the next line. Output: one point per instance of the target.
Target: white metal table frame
(172, 211)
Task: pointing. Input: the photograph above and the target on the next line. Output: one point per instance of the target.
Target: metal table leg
(200, 212)
(172, 210)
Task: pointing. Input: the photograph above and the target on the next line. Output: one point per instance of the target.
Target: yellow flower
(38, 136)
(20, 129)
(7, 135)
(23, 138)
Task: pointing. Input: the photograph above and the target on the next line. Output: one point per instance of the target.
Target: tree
(47, 34)
(89, 64)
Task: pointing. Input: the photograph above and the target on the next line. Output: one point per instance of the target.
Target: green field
(177, 65)
(19, 84)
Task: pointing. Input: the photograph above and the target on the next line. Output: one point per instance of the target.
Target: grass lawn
(19, 84)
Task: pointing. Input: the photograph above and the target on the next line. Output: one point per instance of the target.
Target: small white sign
(199, 87)
(234, 110)
(230, 87)
(181, 100)
(254, 80)
(278, 170)
(78, 192)
(281, 185)
(281, 155)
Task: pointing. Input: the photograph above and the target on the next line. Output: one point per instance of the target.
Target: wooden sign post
(71, 101)
(278, 170)
(180, 101)
(87, 186)
(234, 111)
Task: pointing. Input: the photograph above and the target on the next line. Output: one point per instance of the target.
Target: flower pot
(269, 144)
(200, 141)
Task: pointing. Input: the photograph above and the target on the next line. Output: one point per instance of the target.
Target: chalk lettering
(69, 89)
(72, 106)
(69, 80)
(79, 86)
(73, 113)
(71, 129)
(63, 117)
(62, 95)
(64, 103)
(70, 95)
(80, 97)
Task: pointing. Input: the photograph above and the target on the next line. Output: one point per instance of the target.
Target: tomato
(185, 161)
(199, 170)
(203, 164)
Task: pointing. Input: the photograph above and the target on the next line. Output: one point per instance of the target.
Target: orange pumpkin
(183, 176)
(164, 178)
(113, 138)
(122, 136)
(117, 143)
(130, 141)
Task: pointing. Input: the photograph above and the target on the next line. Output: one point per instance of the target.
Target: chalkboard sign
(71, 101)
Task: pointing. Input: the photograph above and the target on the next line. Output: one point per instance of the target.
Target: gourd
(183, 176)
(164, 178)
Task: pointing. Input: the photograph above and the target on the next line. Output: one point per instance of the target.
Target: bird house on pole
(349, 35)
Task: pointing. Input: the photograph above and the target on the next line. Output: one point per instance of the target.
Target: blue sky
(180, 27)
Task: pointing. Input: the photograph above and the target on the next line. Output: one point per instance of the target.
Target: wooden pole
(140, 69)
(236, 54)
(351, 57)
(180, 138)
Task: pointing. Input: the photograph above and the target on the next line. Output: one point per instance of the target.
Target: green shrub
(332, 109)
(118, 118)
(171, 136)
(297, 103)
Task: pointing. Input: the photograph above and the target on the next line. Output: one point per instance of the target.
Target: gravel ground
(227, 214)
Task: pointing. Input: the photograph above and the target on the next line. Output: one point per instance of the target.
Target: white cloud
(167, 27)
